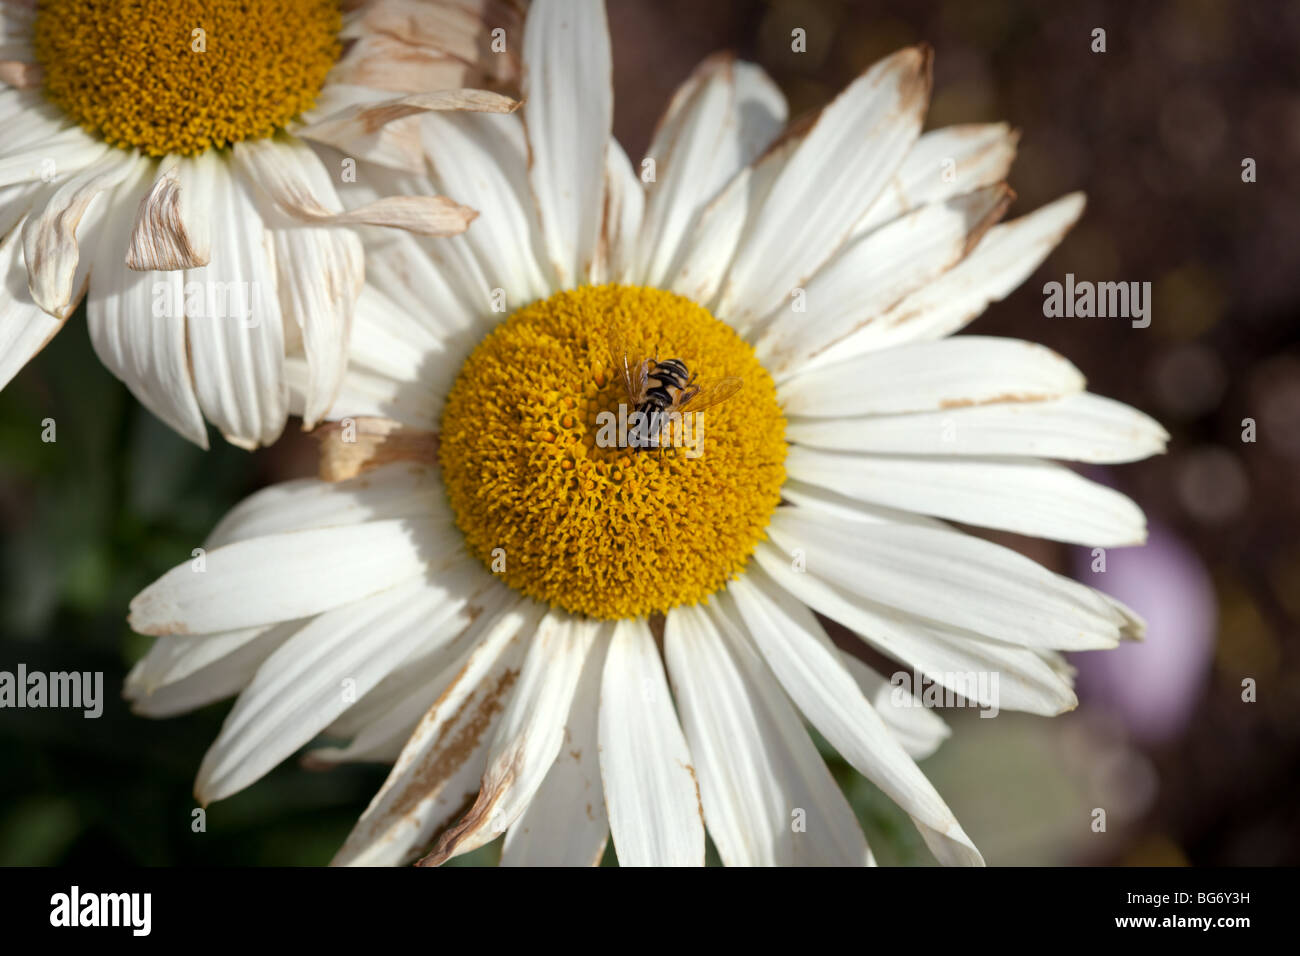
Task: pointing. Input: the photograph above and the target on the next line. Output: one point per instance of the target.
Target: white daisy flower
(558, 640)
(158, 160)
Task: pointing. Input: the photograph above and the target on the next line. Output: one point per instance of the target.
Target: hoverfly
(660, 389)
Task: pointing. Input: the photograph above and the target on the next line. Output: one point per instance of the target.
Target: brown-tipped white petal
(53, 236)
(718, 121)
(25, 327)
(768, 798)
(1006, 256)
(569, 116)
(439, 768)
(844, 162)
(286, 172)
(868, 276)
(233, 320)
(947, 655)
(528, 736)
(565, 823)
(809, 668)
(137, 319)
(290, 575)
(172, 226)
(651, 793)
(317, 674)
(942, 164)
(931, 376)
(383, 131)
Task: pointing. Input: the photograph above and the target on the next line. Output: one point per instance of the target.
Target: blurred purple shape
(1152, 685)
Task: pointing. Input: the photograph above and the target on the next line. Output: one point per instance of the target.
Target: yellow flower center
(546, 497)
(183, 76)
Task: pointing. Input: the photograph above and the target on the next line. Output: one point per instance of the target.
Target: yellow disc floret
(545, 495)
(183, 76)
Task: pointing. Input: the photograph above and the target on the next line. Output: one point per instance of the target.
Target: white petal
(829, 183)
(411, 274)
(381, 722)
(236, 333)
(1075, 428)
(569, 115)
(870, 275)
(175, 657)
(317, 674)
(440, 766)
(319, 271)
(565, 823)
(835, 504)
(173, 227)
(1006, 256)
(484, 159)
(65, 152)
(52, 237)
(390, 491)
(32, 120)
(949, 656)
(931, 376)
(919, 729)
(621, 218)
(528, 736)
(380, 130)
(137, 321)
(295, 574)
(216, 680)
(25, 327)
(759, 771)
(366, 395)
(321, 274)
(944, 163)
(1023, 495)
(810, 670)
(950, 577)
(294, 179)
(729, 217)
(15, 202)
(718, 121)
(651, 793)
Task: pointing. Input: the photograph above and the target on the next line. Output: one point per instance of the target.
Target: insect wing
(631, 370)
(714, 393)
